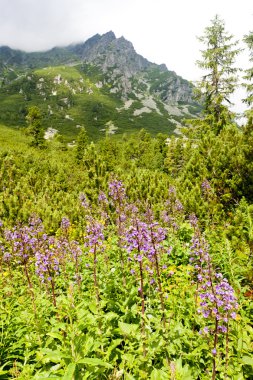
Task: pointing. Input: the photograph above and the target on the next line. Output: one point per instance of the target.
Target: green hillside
(72, 96)
(102, 84)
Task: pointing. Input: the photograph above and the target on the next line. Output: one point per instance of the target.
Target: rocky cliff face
(174, 89)
(117, 59)
(108, 52)
(101, 83)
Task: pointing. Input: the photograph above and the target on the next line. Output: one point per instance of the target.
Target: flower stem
(30, 287)
(95, 274)
(214, 347)
(142, 308)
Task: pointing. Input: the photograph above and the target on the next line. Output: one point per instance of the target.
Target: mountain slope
(102, 84)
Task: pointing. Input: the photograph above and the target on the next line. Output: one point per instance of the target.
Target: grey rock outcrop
(108, 52)
(124, 70)
(117, 58)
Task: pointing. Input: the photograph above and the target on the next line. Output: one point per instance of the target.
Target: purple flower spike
(218, 300)
(65, 223)
(206, 187)
(102, 199)
(84, 201)
(95, 236)
(117, 191)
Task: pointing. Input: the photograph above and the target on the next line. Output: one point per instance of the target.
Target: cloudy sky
(163, 31)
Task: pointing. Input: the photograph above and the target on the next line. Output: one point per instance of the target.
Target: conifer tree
(34, 128)
(220, 79)
(248, 129)
(248, 39)
(82, 142)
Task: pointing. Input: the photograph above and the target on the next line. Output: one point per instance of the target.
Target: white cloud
(162, 31)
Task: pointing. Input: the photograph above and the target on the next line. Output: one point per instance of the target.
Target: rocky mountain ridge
(108, 51)
(104, 81)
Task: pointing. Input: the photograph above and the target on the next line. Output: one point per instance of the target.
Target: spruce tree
(249, 80)
(248, 129)
(35, 129)
(220, 79)
(82, 142)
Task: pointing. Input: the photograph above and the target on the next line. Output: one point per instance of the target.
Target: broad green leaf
(128, 376)
(113, 345)
(238, 377)
(43, 377)
(183, 371)
(247, 360)
(158, 374)
(109, 316)
(93, 307)
(3, 372)
(70, 372)
(53, 356)
(56, 367)
(55, 335)
(94, 362)
(127, 329)
(89, 343)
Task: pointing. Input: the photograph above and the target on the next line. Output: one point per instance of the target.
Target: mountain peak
(100, 82)
(109, 35)
(109, 52)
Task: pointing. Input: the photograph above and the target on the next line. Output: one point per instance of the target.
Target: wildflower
(218, 300)
(94, 235)
(117, 191)
(206, 187)
(102, 199)
(65, 223)
(84, 201)
(193, 220)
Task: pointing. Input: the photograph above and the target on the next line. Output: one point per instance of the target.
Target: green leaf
(94, 362)
(53, 356)
(128, 376)
(110, 316)
(183, 371)
(93, 308)
(88, 345)
(70, 372)
(127, 329)
(238, 377)
(56, 367)
(45, 376)
(55, 335)
(3, 372)
(113, 345)
(247, 360)
(158, 374)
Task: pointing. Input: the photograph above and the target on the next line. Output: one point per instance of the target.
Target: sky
(163, 31)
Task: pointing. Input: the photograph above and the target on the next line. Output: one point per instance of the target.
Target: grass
(78, 96)
(12, 139)
(67, 72)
